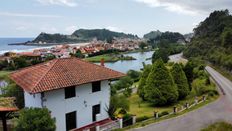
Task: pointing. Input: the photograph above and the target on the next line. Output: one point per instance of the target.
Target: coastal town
(87, 49)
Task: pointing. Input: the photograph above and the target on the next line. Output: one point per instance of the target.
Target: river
(124, 66)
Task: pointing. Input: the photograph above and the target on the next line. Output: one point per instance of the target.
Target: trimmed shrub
(163, 113)
(143, 118)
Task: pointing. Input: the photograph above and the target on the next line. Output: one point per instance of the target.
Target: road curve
(220, 110)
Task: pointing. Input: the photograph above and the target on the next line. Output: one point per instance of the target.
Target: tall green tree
(160, 88)
(35, 119)
(188, 69)
(79, 54)
(142, 81)
(161, 53)
(181, 81)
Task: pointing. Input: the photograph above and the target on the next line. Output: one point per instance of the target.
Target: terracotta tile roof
(61, 73)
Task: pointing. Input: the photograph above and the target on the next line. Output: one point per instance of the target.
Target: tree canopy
(212, 40)
(160, 88)
(35, 119)
(142, 81)
(181, 81)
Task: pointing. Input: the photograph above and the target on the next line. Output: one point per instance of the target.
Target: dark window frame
(70, 92)
(96, 86)
(71, 124)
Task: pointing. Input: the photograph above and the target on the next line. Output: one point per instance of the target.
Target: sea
(4, 47)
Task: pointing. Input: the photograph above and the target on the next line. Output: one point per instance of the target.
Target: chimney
(102, 62)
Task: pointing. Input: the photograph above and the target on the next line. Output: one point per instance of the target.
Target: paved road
(177, 58)
(196, 120)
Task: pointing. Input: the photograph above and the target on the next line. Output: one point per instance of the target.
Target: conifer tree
(160, 88)
(180, 80)
(142, 81)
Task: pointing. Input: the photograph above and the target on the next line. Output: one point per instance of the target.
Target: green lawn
(219, 126)
(106, 57)
(4, 74)
(142, 108)
(150, 121)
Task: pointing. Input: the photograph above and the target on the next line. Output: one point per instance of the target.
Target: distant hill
(167, 37)
(81, 35)
(53, 38)
(152, 34)
(212, 40)
(101, 34)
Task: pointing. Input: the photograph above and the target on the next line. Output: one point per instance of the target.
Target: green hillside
(212, 40)
(81, 35)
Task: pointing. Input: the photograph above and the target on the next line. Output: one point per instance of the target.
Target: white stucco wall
(32, 100)
(59, 106)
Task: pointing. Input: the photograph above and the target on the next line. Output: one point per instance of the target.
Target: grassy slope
(143, 108)
(150, 121)
(106, 57)
(219, 126)
(4, 75)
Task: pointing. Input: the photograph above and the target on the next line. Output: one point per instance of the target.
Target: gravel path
(220, 110)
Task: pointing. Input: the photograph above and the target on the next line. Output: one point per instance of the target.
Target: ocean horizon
(4, 47)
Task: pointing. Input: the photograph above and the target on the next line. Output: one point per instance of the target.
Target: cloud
(189, 7)
(21, 28)
(70, 29)
(48, 29)
(69, 3)
(28, 15)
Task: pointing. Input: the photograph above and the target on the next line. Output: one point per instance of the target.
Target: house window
(70, 92)
(95, 111)
(70, 120)
(96, 86)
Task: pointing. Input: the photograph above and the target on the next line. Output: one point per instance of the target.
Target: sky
(27, 18)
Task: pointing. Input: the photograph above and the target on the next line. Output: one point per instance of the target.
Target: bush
(123, 83)
(142, 118)
(35, 119)
(117, 102)
(163, 113)
(135, 75)
(212, 93)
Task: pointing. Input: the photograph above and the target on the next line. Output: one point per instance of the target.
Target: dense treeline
(166, 43)
(164, 84)
(82, 35)
(100, 34)
(23, 61)
(212, 40)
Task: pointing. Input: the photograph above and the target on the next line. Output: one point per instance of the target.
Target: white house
(75, 91)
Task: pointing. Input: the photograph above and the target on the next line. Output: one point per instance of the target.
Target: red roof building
(76, 92)
(61, 73)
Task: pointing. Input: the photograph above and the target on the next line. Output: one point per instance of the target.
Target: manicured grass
(219, 126)
(4, 74)
(108, 58)
(150, 121)
(142, 108)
